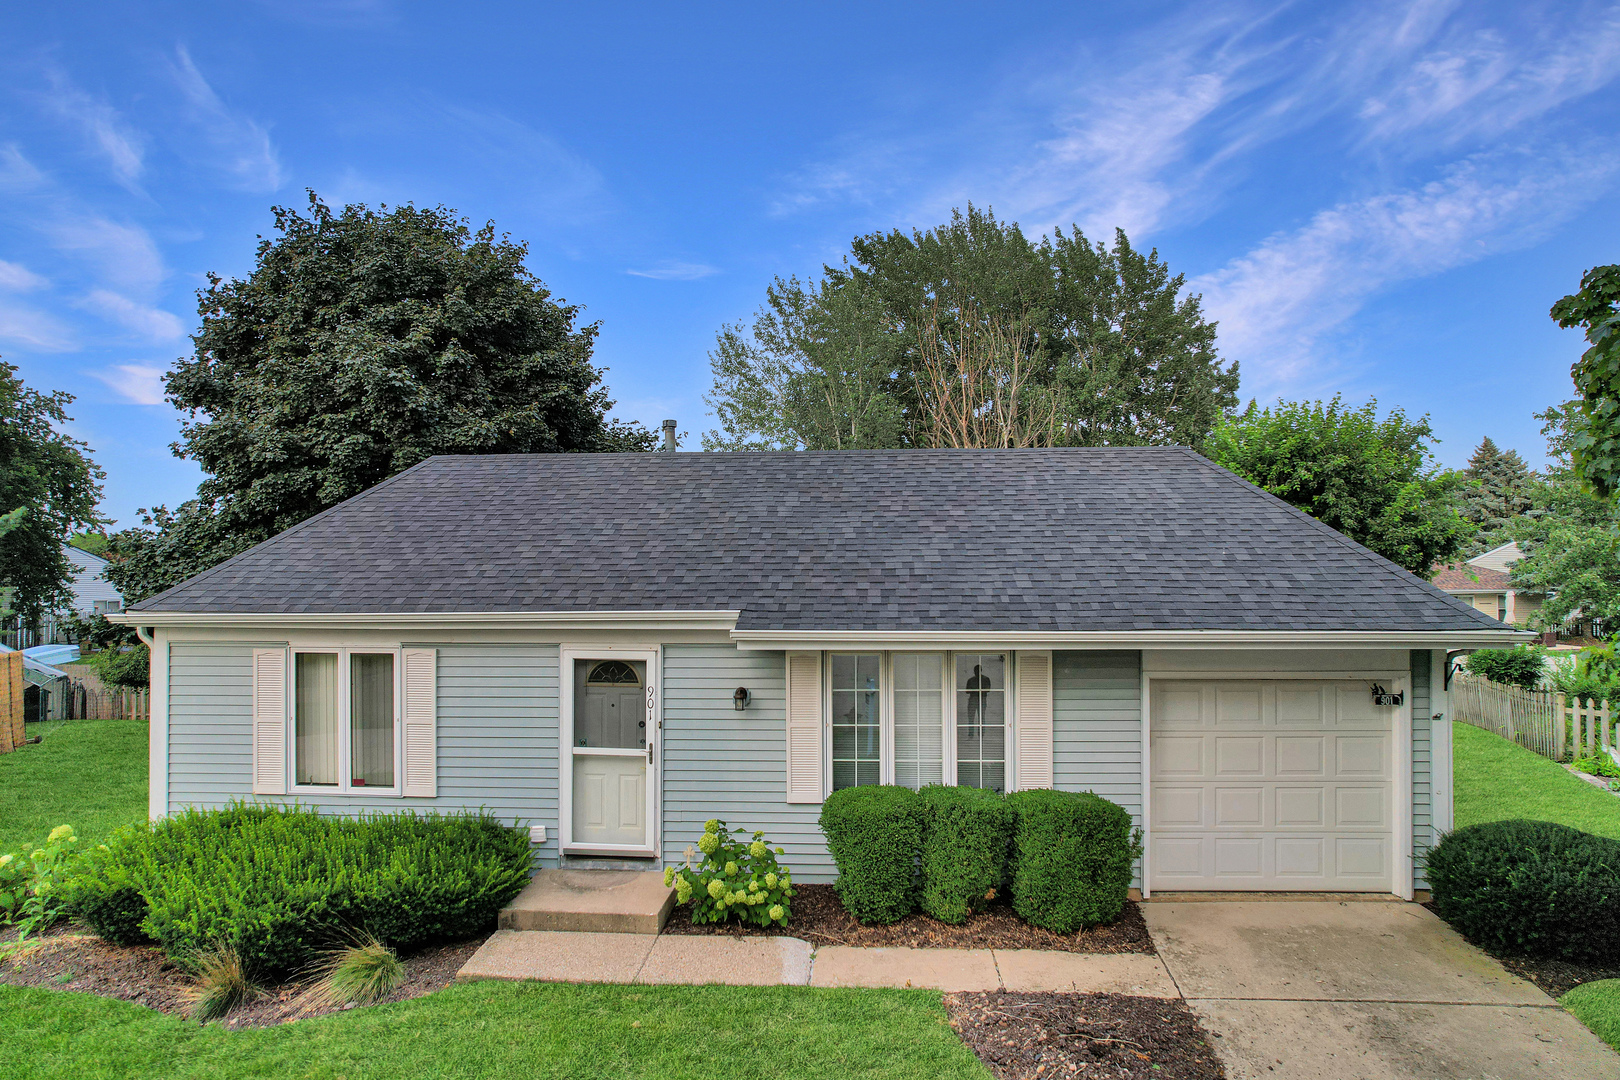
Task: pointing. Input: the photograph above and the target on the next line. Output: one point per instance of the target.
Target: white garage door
(1271, 786)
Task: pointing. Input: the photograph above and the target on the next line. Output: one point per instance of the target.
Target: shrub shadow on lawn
(818, 916)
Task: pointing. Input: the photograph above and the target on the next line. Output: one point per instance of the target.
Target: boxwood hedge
(873, 834)
(1530, 887)
(1072, 856)
(279, 884)
(966, 834)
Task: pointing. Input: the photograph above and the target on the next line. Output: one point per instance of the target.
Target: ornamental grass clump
(874, 834)
(220, 983)
(363, 971)
(735, 879)
(280, 884)
(965, 836)
(1072, 856)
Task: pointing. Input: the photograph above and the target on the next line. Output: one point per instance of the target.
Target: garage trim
(1401, 799)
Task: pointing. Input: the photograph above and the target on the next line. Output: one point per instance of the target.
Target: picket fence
(1545, 721)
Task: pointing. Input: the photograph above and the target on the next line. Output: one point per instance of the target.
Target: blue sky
(1374, 199)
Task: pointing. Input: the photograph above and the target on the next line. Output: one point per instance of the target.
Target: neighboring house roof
(1466, 577)
(1098, 539)
(1500, 558)
(90, 583)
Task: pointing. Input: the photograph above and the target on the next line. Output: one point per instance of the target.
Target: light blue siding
(1422, 819)
(721, 763)
(1097, 727)
(497, 734)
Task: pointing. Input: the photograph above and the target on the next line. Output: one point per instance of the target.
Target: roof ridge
(1365, 553)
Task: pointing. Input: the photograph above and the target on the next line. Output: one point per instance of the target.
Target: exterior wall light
(741, 698)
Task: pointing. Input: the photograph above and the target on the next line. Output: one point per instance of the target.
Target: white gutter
(453, 620)
(778, 640)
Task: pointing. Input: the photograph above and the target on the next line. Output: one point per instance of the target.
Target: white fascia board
(778, 640)
(457, 620)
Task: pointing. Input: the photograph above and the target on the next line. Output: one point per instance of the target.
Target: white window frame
(345, 723)
(886, 713)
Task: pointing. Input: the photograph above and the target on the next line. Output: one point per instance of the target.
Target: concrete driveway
(1363, 991)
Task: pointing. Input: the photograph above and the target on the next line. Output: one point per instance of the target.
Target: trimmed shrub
(874, 834)
(1530, 887)
(279, 884)
(1072, 855)
(1522, 665)
(966, 834)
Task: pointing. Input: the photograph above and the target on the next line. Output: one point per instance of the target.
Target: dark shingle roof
(1039, 540)
(1464, 577)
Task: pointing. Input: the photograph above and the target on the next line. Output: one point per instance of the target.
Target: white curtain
(919, 719)
(371, 719)
(315, 717)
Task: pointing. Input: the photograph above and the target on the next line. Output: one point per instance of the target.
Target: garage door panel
(1240, 807)
(1301, 755)
(1271, 785)
(1300, 807)
(1240, 755)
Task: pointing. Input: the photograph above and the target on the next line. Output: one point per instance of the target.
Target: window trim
(344, 786)
(948, 774)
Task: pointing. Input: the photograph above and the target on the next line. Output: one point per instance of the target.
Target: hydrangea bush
(31, 882)
(736, 879)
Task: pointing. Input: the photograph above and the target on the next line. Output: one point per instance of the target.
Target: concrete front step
(592, 902)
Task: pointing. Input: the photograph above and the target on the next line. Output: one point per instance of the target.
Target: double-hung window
(346, 720)
(916, 718)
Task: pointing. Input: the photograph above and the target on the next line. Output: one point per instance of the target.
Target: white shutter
(804, 783)
(1033, 740)
(269, 721)
(421, 736)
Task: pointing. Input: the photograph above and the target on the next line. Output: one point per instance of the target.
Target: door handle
(649, 752)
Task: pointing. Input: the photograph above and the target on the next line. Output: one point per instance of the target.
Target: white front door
(1276, 785)
(610, 760)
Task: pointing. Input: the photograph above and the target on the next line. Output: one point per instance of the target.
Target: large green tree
(363, 342)
(970, 334)
(49, 486)
(1375, 480)
(1594, 434)
(1499, 487)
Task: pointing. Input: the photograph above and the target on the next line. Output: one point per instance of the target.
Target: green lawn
(90, 774)
(1597, 1005)
(1498, 781)
(499, 1029)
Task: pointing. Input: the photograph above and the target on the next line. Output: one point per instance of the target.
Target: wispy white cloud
(125, 255)
(14, 277)
(31, 328)
(152, 323)
(107, 130)
(242, 147)
(140, 384)
(1279, 303)
(17, 173)
(669, 270)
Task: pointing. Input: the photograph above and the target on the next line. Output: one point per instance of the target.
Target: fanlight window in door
(610, 704)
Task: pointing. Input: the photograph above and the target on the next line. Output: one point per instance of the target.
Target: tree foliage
(1499, 488)
(53, 485)
(1595, 441)
(970, 334)
(363, 342)
(1374, 480)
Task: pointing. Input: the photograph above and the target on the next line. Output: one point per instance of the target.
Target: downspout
(145, 634)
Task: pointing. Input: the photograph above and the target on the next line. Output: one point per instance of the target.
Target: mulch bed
(818, 916)
(68, 958)
(1025, 1036)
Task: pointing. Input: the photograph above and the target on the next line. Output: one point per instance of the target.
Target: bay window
(894, 719)
(345, 720)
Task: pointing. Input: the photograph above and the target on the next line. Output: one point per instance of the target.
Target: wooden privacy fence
(83, 703)
(1541, 720)
(11, 701)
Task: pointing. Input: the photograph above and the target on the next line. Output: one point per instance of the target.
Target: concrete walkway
(1362, 991)
(561, 956)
